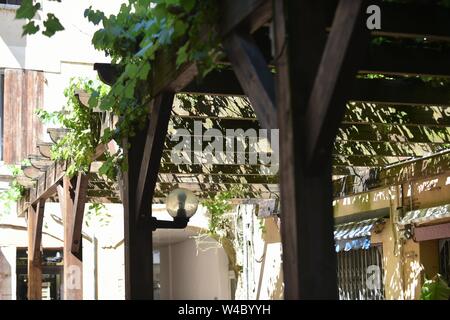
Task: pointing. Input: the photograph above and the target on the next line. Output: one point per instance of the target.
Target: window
(14, 2)
(360, 274)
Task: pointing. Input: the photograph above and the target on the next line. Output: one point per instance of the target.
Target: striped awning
(355, 235)
(426, 215)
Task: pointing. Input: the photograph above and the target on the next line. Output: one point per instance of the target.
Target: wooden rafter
(254, 76)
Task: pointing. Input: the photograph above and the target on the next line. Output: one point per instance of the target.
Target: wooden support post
(137, 234)
(139, 185)
(287, 181)
(309, 260)
(34, 262)
(73, 265)
(254, 76)
(78, 212)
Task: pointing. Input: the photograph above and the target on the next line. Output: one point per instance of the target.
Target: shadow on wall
(278, 292)
(5, 277)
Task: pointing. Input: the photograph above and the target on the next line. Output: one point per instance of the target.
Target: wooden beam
(160, 111)
(79, 204)
(217, 82)
(344, 53)
(73, 265)
(38, 220)
(402, 60)
(254, 76)
(252, 14)
(400, 92)
(34, 262)
(289, 204)
(394, 133)
(396, 91)
(387, 149)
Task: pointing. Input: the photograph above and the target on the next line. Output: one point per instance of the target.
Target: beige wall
(405, 262)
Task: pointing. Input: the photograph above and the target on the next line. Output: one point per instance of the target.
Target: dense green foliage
(14, 192)
(435, 289)
(83, 124)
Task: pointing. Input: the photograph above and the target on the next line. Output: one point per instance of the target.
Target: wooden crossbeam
(160, 111)
(355, 114)
(400, 92)
(381, 91)
(365, 161)
(394, 133)
(255, 189)
(38, 220)
(78, 212)
(218, 82)
(413, 115)
(344, 53)
(368, 148)
(217, 178)
(254, 76)
(401, 60)
(235, 13)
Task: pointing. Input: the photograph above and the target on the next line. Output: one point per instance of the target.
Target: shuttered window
(360, 274)
(23, 94)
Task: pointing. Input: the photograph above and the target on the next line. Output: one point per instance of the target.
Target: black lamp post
(181, 205)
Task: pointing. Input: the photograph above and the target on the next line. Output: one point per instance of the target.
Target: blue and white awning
(426, 215)
(355, 235)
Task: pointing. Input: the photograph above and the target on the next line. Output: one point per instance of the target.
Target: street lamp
(181, 205)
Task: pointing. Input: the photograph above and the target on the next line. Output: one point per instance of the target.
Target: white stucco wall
(67, 54)
(38, 52)
(189, 273)
(7, 273)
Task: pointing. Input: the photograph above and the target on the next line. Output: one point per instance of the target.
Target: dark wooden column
(307, 130)
(34, 256)
(73, 264)
(144, 157)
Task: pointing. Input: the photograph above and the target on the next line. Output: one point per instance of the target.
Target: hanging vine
(221, 224)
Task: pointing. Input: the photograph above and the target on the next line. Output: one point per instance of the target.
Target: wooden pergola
(334, 120)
